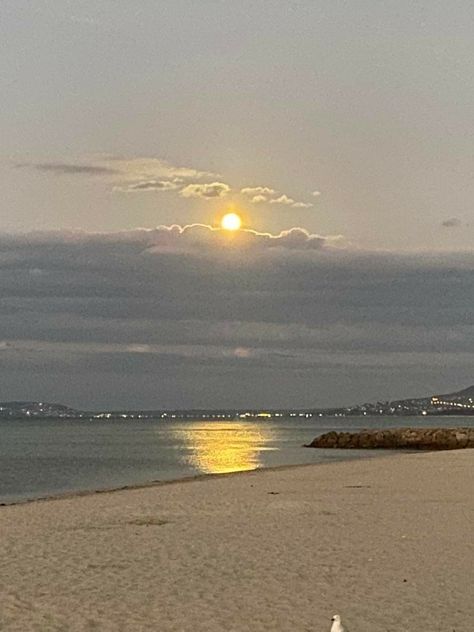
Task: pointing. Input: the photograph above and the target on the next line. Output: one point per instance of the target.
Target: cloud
(64, 168)
(283, 199)
(287, 201)
(200, 239)
(197, 316)
(145, 174)
(452, 222)
(83, 20)
(206, 241)
(316, 193)
(252, 191)
(145, 168)
(206, 191)
(151, 185)
(302, 205)
(260, 194)
(122, 170)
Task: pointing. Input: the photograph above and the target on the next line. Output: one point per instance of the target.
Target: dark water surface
(50, 456)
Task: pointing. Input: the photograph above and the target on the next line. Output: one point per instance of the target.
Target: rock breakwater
(398, 439)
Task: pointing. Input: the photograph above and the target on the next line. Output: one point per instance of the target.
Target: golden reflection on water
(217, 448)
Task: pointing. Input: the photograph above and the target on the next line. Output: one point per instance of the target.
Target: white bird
(337, 625)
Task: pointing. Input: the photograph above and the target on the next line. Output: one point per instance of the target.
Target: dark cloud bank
(197, 317)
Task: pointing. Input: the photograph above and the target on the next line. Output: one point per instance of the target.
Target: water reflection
(217, 448)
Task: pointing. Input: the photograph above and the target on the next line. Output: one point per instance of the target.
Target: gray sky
(352, 121)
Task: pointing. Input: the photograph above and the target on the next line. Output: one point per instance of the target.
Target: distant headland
(458, 403)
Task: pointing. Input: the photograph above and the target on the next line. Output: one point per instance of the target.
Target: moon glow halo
(231, 221)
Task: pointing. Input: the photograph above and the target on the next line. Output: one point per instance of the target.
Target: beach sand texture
(385, 542)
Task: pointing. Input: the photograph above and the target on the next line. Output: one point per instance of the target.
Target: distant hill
(36, 409)
(458, 402)
(466, 393)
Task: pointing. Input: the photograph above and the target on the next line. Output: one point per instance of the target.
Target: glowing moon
(231, 221)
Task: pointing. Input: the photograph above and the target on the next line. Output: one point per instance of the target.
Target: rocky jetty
(398, 439)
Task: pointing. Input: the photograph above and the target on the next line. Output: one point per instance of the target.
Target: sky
(342, 134)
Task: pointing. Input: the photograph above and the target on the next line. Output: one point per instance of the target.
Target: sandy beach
(386, 542)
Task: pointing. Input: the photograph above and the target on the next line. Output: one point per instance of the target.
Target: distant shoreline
(223, 417)
(457, 403)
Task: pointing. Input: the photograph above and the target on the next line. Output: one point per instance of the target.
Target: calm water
(44, 457)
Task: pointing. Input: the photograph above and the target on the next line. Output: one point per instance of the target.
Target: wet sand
(385, 542)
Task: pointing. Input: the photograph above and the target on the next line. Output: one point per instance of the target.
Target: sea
(51, 457)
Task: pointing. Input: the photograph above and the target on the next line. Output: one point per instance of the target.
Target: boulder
(398, 439)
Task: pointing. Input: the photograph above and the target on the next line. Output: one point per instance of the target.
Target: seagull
(337, 625)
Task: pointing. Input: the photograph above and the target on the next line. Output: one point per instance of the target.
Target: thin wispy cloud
(85, 20)
(70, 169)
(301, 205)
(452, 222)
(284, 200)
(262, 194)
(252, 191)
(144, 168)
(133, 170)
(146, 174)
(151, 185)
